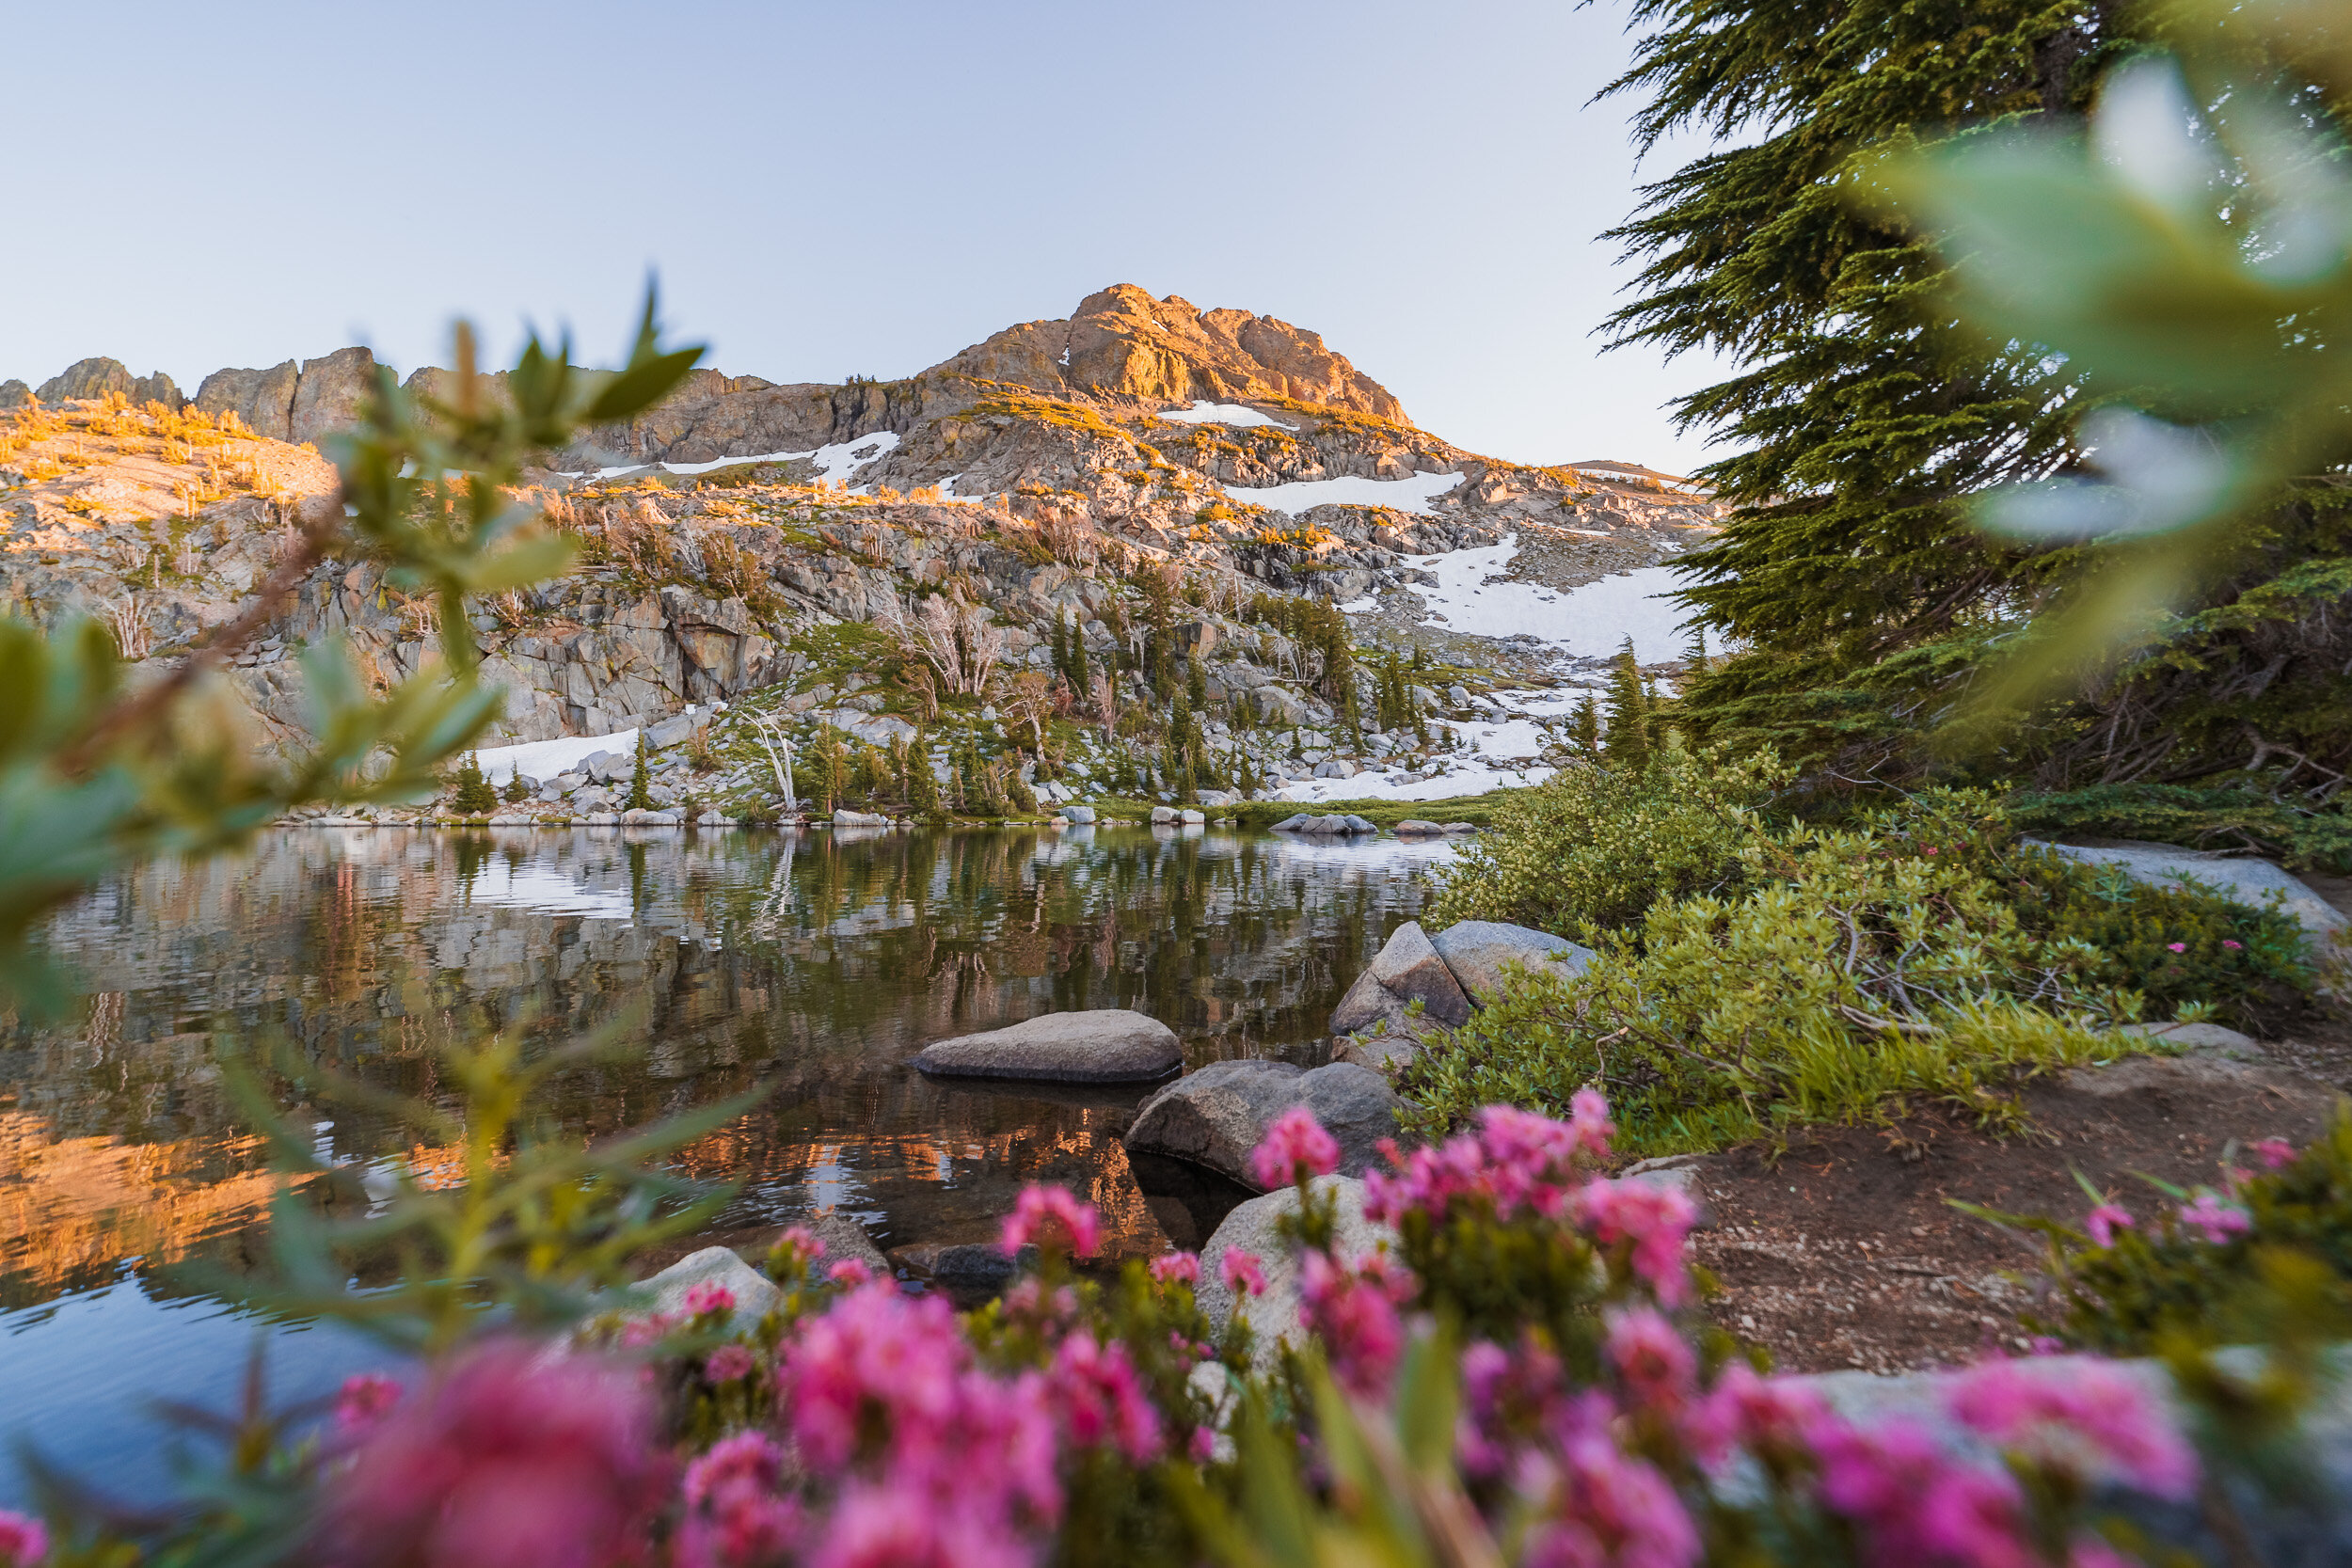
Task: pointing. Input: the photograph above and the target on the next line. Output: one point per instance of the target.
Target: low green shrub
(1925, 951)
(1597, 846)
(2128, 1283)
(2249, 813)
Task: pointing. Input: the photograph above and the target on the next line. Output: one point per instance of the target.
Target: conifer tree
(1062, 646)
(474, 795)
(1587, 730)
(1197, 684)
(922, 784)
(1081, 678)
(516, 792)
(640, 785)
(1626, 743)
(1867, 415)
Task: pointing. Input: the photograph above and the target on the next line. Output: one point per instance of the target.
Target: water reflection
(814, 965)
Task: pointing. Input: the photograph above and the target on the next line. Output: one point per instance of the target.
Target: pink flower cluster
(738, 1515)
(506, 1459)
(363, 1399)
(1102, 1399)
(1655, 1219)
(24, 1542)
(932, 1460)
(1294, 1148)
(1514, 1163)
(708, 1299)
(2080, 1415)
(1353, 1311)
(1179, 1268)
(1050, 1218)
(2210, 1216)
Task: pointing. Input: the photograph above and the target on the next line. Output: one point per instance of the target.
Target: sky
(851, 187)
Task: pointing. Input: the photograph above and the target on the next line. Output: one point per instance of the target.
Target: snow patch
(544, 759)
(1402, 495)
(1469, 776)
(1589, 622)
(1204, 412)
(947, 493)
(836, 461)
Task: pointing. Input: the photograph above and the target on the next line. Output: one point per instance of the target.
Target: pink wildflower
(1747, 1410)
(804, 1245)
(1204, 1446)
(1915, 1501)
(504, 1461)
(2080, 1413)
(2106, 1220)
(1294, 1148)
(850, 1271)
(1101, 1398)
(2274, 1152)
(1181, 1268)
(1356, 1321)
(2176, 946)
(2233, 946)
(1241, 1271)
(1051, 1217)
(24, 1542)
(1610, 1510)
(363, 1399)
(735, 1516)
(709, 1297)
(2216, 1220)
(730, 1364)
(1653, 1359)
(1654, 1218)
(651, 1329)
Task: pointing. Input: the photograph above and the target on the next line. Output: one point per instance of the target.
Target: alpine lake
(802, 967)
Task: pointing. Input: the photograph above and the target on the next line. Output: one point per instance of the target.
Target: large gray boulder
(1216, 1116)
(2251, 882)
(1109, 1045)
(1079, 816)
(1250, 1227)
(1406, 970)
(1476, 950)
(754, 1292)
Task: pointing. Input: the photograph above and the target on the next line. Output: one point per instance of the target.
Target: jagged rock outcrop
(99, 378)
(261, 400)
(328, 392)
(1121, 342)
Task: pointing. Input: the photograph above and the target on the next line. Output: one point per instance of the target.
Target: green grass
(1476, 809)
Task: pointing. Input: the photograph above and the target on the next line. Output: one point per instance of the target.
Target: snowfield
(1204, 412)
(544, 759)
(1589, 622)
(835, 462)
(1402, 495)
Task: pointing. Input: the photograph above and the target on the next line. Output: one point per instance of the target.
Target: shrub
(1859, 966)
(2128, 1284)
(1597, 846)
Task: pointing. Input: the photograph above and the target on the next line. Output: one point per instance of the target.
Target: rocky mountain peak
(1123, 343)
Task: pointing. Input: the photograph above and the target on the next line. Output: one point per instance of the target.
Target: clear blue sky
(840, 187)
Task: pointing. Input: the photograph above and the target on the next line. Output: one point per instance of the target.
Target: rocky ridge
(1037, 478)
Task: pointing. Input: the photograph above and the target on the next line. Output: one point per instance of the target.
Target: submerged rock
(1216, 1116)
(1109, 1045)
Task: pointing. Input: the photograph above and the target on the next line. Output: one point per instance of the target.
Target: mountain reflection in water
(811, 965)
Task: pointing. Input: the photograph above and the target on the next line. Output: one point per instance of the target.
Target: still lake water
(808, 965)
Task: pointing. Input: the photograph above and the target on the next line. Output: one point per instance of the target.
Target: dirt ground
(1844, 1250)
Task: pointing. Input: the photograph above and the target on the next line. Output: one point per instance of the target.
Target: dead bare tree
(775, 741)
(956, 638)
